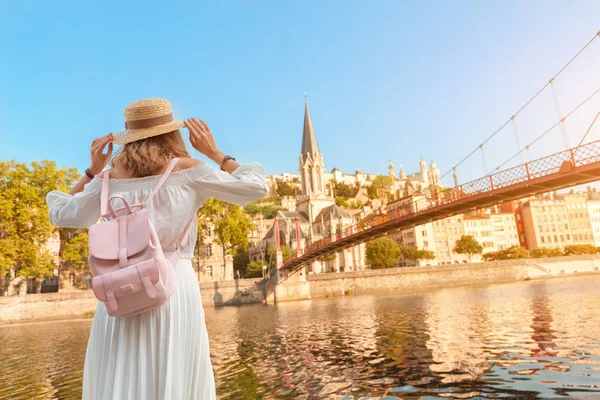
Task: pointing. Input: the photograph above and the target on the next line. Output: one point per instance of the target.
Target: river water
(536, 339)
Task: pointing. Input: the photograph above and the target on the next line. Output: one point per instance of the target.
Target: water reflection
(533, 339)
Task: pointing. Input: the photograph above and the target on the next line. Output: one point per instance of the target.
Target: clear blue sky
(386, 79)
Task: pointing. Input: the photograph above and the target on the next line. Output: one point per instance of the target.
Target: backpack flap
(120, 238)
(126, 282)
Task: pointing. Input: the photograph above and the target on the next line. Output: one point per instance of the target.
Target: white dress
(162, 353)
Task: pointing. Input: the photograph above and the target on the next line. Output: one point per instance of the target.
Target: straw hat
(147, 118)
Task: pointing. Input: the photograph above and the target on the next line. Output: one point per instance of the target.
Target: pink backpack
(131, 273)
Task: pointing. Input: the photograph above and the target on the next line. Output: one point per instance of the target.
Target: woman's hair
(149, 156)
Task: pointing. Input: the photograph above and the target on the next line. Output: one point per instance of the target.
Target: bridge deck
(569, 168)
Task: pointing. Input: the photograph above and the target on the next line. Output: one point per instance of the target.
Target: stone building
(315, 214)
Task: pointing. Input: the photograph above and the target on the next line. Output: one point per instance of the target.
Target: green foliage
(380, 187)
(580, 249)
(341, 189)
(329, 257)
(512, 253)
(255, 268)
(467, 244)
(76, 251)
(268, 211)
(8, 252)
(24, 224)
(240, 262)
(285, 188)
(544, 252)
(285, 251)
(382, 253)
(230, 223)
(341, 202)
(355, 205)
(416, 254)
(34, 263)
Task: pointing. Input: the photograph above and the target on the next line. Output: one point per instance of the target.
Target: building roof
(332, 211)
(309, 140)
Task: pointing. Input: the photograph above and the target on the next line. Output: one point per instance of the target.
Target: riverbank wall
(248, 291)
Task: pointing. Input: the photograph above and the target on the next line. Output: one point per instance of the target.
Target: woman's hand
(97, 155)
(203, 140)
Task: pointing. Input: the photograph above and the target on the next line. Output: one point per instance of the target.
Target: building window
(542, 239)
(424, 233)
(425, 244)
(209, 271)
(555, 239)
(568, 237)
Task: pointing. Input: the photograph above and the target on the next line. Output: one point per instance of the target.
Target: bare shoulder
(186, 163)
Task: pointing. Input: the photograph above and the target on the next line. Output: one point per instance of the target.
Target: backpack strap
(106, 179)
(163, 179)
(186, 233)
(104, 193)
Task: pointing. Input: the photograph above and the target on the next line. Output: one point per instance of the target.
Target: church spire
(309, 140)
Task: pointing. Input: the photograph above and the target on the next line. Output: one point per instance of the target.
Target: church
(313, 213)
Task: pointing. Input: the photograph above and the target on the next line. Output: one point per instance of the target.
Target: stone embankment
(248, 291)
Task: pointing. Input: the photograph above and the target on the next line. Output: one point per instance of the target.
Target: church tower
(311, 160)
(424, 173)
(312, 173)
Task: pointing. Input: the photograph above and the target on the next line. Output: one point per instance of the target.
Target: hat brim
(132, 135)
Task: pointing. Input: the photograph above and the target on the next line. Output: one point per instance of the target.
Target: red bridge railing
(521, 174)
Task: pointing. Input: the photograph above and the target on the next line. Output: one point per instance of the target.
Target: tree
(512, 253)
(229, 222)
(580, 249)
(382, 253)
(285, 188)
(285, 252)
(341, 189)
(329, 257)
(341, 202)
(254, 269)
(467, 245)
(415, 254)
(76, 251)
(355, 205)
(268, 211)
(544, 252)
(24, 224)
(380, 187)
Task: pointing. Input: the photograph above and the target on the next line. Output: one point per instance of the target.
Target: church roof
(332, 211)
(309, 140)
(286, 215)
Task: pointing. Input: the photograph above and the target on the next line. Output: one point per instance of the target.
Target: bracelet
(227, 158)
(89, 174)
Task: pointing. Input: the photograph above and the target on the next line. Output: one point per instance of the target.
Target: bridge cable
(562, 126)
(588, 131)
(483, 159)
(548, 130)
(527, 103)
(516, 132)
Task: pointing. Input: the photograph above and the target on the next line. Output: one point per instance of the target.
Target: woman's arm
(240, 185)
(99, 160)
(203, 140)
